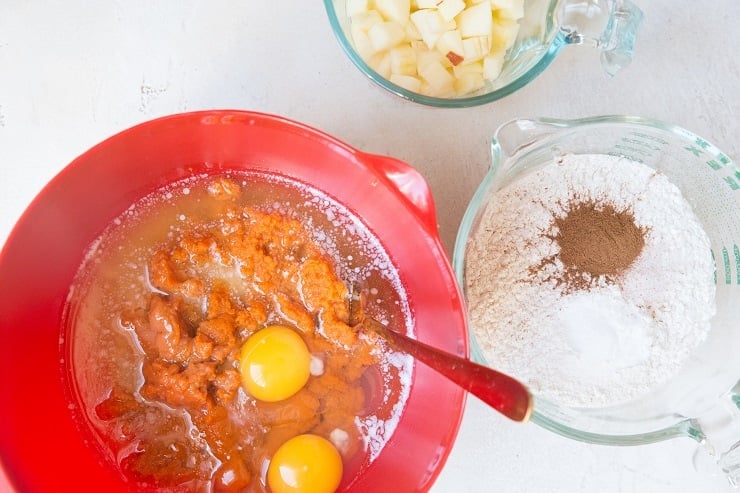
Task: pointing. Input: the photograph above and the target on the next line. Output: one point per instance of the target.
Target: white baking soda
(615, 340)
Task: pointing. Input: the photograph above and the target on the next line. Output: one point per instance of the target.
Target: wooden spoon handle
(502, 392)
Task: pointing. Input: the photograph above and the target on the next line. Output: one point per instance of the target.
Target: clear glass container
(546, 28)
(703, 400)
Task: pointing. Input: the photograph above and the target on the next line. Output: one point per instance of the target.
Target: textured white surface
(73, 73)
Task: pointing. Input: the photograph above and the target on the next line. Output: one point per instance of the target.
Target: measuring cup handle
(618, 41)
(581, 24)
(410, 185)
(718, 431)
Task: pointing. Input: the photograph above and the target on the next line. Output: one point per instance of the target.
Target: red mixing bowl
(43, 448)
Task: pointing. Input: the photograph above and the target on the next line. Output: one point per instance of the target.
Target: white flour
(615, 341)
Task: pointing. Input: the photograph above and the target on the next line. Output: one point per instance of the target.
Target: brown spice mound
(595, 240)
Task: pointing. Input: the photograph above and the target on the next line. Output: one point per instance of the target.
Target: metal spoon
(502, 392)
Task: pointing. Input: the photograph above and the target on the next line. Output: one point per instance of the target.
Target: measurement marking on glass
(726, 259)
(649, 137)
(732, 182)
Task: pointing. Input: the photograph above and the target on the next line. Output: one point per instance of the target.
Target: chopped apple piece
(437, 76)
(476, 48)
(427, 90)
(357, 6)
(362, 43)
(408, 82)
(504, 34)
(451, 41)
(426, 57)
(427, 4)
(403, 60)
(459, 71)
(468, 83)
(502, 4)
(429, 24)
(511, 9)
(386, 35)
(492, 65)
(366, 20)
(394, 10)
(381, 63)
(448, 9)
(412, 34)
(476, 20)
(418, 46)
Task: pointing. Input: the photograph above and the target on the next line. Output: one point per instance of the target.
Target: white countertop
(73, 73)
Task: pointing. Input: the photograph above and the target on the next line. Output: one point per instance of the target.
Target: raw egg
(305, 464)
(275, 363)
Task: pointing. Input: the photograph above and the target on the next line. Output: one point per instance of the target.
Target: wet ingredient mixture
(590, 279)
(210, 341)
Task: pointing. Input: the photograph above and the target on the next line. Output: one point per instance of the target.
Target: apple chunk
(386, 35)
(450, 42)
(448, 9)
(476, 20)
(394, 10)
(430, 25)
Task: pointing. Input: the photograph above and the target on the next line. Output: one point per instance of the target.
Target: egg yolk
(305, 464)
(275, 363)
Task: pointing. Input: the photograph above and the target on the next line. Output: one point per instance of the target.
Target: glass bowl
(546, 28)
(702, 400)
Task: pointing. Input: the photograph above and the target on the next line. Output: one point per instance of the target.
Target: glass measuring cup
(546, 28)
(702, 401)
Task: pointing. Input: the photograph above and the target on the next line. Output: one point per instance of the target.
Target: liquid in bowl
(167, 410)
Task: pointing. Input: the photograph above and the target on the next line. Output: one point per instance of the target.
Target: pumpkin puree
(189, 425)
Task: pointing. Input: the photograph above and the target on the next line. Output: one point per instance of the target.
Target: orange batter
(190, 424)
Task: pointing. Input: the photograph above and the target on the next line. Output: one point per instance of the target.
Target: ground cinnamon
(595, 241)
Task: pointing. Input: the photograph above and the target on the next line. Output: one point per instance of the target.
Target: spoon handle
(502, 392)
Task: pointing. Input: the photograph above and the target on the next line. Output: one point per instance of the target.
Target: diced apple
(429, 24)
(476, 20)
(492, 65)
(365, 20)
(418, 46)
(408, 82)
(426, 57)
(357, 6)
(427, 4)
(502, 4)
(427, 90)
(412, 34)
(394, 10)
(511, 9)
(448, 9)
(468, 83)
(381, 63)
(476, 48)
(451, 41)
(403, 60)
(504, 34)
(475, 67)
(362, 43)
(437, 76)
(386, 35)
